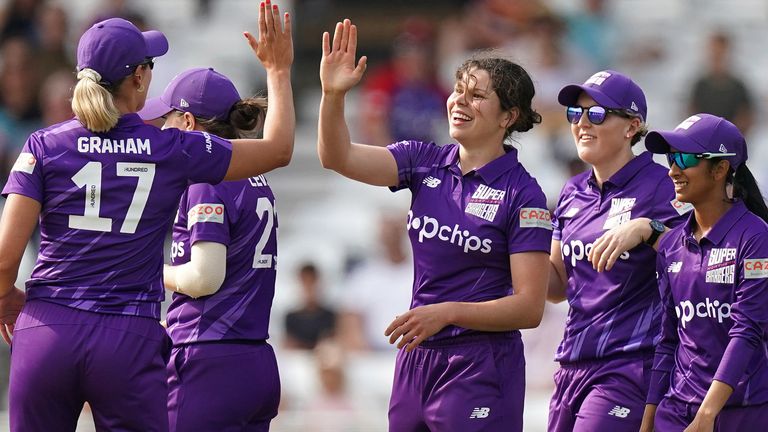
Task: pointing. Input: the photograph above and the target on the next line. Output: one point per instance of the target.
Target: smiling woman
(714, 313)
(475, 206)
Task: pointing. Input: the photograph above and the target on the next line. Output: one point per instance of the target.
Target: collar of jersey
(627, 172)
(490, 171)
(722, 226)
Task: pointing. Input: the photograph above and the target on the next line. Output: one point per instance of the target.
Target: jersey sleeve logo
(25, 163)
(532, 217)
(756, 268)
(205, 213)
(681, 207)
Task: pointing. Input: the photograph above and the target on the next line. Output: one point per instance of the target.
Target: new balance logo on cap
(620, 412)
(687, 123)
(184, 104)
(598, 78)
(481, 412)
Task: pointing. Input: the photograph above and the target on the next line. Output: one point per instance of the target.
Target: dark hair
(745, 188)
(246, 120)
(641, 132)
(511, 83)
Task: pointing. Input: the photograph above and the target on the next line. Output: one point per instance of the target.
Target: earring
(141, 89)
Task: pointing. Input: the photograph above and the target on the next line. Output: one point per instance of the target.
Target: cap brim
(661, 141)
(154, 109)
(157, 43)
(569, 95)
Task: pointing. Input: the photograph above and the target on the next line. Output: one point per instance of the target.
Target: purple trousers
(600, 395)
(223, 387)
(62, 357)
(463, 384)
(673, 415)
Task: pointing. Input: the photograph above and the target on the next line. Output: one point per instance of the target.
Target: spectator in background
(18, 19)
(56, 97)
(402, 99)
(378, 290)
(19, 110)
(52, 29)
(719, 91)
(312, 321)
(591, 31)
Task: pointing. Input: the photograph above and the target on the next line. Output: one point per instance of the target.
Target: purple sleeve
(26, 176)
(664, 360)
(413, 158)
(207, 156)
(208, 216)
(748, 312)
(530, 223)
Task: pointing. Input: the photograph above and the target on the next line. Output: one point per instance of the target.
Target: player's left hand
(701, 424)
(10, 308)
(607, 249)
(416, 325)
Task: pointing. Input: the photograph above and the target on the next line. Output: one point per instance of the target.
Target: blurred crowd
(403, 94)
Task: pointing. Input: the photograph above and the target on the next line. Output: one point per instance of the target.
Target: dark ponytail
(246, 120)
(745, 188)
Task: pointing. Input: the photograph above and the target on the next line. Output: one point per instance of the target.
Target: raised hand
(338, 72)
(274, 48)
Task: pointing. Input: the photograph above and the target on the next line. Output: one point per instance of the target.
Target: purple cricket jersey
(616, 311)
(464, 227)
(240, 215)
(107, 201)
(715, 323)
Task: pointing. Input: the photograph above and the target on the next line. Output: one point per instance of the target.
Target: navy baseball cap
(201, 91)
(610, 89)
(701, 133)
(113, 47)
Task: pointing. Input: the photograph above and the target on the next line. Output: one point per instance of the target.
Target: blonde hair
(93, 104)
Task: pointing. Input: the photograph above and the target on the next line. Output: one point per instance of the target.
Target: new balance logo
(618, 411)
(482, 412)
(431, 182)
(675, 267)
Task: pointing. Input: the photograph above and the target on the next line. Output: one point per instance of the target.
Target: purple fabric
(674, 416)
(107, 202)
(473, 383)
(63, 357)
(715, 322)
(115, 46)
(610, 89)
(605, 395)
(617, 311)
(701, 133)
(201, 91)
(222, 387)
(240, 215)
(473, 221)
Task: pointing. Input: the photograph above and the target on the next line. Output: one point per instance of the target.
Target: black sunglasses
(596, 113)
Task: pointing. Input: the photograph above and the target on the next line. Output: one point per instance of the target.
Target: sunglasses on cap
(690, 160)
(149, 61)
(596, 113)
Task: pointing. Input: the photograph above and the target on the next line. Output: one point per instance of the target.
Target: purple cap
(201, 91)
(610, 89)
(701, 133)
(113, 47)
